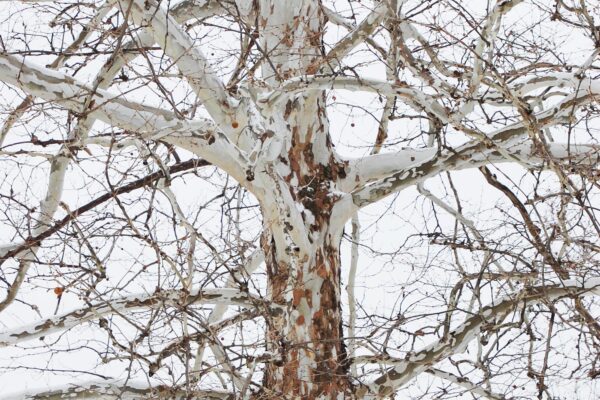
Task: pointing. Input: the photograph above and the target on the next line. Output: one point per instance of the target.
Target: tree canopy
(260, 199)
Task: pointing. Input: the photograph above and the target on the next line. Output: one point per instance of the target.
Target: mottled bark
(312, 362)
(269, 131)
(313, 358)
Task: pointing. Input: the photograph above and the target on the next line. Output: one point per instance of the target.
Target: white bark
(118, 390)
(486, 42)
(58, 163)
(355, 37)
(191, 62)
(199, 136)
(471, 155)
(350, 290)
(272, 137)
(170, 298)
(462, 336)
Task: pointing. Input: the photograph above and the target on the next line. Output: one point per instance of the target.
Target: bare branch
(467, 156)
(460, 337)
(200, 137)
(120, 390)
(168, 298)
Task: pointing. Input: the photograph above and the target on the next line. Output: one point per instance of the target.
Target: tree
(190, 233)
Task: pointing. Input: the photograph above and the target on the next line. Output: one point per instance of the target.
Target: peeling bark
(309, 339)
(271, 135)
(310, 343)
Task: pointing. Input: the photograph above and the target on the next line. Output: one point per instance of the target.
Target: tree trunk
(307, 340)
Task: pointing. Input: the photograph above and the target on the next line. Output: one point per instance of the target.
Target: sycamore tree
(307, 199)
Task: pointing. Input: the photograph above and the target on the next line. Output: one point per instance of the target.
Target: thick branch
(166, 298)
(460, 337)
(199, 136)
(384, 359)
(120, 390)
(468, 156)
(60, 88)
(416, 98)
(178, 45)
(349, 24)
(476, 149)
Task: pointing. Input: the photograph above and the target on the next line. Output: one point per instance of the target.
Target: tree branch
(373, 177)
(219, 310)
(165, 298)
(9, 251)
(120, 390)
(178, 45)
(417, 99)
(466, 383)
(460, 337)
(199, 136)
(366, 27)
